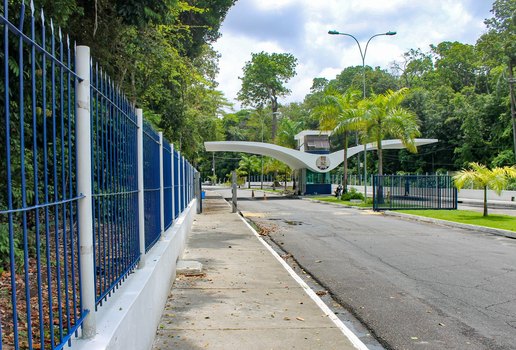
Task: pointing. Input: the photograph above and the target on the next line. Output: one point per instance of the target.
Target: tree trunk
(274, 125)
(513, 105)
(380, 172)
(345, 172)
(485, 200)
(380, 157)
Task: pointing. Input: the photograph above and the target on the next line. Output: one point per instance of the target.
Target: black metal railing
(395, 192)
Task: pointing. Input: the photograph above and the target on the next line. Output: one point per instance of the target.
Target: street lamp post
(263, 118)
(261, 159)
(363, 56)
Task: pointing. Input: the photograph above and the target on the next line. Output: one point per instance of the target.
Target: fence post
(234, 191)
(161, 184)
(84, 187)
(375, 183)
(365, 173)
(173, 182)
(183, 172)
(179, 184)
(438, 192)
(141, 203)
(198, 191)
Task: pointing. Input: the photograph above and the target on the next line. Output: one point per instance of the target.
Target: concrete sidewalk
(245, 298)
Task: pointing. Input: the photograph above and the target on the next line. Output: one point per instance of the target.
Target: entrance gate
(395, 192)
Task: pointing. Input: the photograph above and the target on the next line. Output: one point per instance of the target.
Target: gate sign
(323, 162)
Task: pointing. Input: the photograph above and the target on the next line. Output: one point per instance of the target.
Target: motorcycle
(338, 191)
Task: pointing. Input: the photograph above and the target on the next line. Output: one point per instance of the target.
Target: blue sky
(300, 27)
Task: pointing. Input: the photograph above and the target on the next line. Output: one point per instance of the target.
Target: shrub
(352, 194)
(4, 248)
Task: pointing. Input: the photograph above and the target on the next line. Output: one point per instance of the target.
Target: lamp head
(390, 33)
(333, 32)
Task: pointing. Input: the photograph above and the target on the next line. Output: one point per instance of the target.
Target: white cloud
(300, 27)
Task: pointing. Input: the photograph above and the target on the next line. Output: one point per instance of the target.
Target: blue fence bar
(167, 182)
(183, 183)
(151, 183)
(39, 237)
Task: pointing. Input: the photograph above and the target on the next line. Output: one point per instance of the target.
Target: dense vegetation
(157, 52)
(160, 53)
(460, 94)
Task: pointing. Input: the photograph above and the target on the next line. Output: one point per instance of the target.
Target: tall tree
(287, 131)
(383, 117)
(264, 81)
(377, 80)
(456, 64)
(500, 41)
(337, 113)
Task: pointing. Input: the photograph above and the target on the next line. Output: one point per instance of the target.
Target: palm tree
(288, 129)
(382, 116)
(248, 165)
(337, 113)
(286, 137)
(479, 175)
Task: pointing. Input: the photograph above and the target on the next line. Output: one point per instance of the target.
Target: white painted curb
(357, 343)
(483, 229)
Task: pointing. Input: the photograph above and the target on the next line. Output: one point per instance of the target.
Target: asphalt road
(414, 285)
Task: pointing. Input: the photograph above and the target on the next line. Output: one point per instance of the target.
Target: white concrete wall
(491, 195)
(505, 196)
(129, 318)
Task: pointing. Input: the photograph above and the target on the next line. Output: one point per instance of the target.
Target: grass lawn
(333, 199)
(504, 222)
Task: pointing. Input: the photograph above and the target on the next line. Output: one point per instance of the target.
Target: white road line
(345, 330)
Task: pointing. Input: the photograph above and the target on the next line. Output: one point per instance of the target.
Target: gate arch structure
(301, 161)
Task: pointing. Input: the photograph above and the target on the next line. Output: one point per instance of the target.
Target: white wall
(129, 318)
(491, 195)
(505, 196)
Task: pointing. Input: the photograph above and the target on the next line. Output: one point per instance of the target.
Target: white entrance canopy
(295, 159)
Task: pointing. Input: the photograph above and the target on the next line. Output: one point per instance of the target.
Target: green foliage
(381, 116)
(160, 55)
(248, 165)
(287, 130)
(5, 250)
(337, 113)
(352, 194)
(504, 158)
(459, 94)
(378, 80)
(264, 81)
(265, 77)
(479, 175)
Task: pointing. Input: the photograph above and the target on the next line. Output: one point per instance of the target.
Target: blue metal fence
(38, 200)
(40, 254)
(115, 185)
(391, 192)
